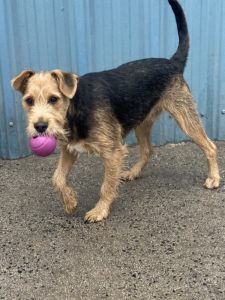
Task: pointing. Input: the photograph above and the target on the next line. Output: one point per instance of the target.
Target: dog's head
(46, 98)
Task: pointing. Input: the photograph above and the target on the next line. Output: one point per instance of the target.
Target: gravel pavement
(164, 238)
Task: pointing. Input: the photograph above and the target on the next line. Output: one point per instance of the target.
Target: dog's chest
(76, 147)
(83, 147)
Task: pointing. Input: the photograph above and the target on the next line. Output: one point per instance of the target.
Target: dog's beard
(56, 125)
(59, 132)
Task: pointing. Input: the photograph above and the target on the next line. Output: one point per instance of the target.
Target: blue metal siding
(92, 35)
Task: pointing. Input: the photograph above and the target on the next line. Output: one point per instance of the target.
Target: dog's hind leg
(59, 180)
(182, 108)
(142, 133)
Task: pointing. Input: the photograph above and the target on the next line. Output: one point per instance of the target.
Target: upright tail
(180, 57)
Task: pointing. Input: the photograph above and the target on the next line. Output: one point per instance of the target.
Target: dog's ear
(19, 82)
(67, 82)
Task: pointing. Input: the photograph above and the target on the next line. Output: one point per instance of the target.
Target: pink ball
(43, 145)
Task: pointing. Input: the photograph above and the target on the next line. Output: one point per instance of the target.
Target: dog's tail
(180, 57)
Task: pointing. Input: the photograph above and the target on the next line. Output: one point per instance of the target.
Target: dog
(94, 112)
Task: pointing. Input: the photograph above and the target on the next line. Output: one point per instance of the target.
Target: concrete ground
(164, 238)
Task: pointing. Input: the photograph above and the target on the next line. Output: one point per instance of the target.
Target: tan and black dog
(94, 112)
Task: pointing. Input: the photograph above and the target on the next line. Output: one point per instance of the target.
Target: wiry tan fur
(40, 88)
(59, 179)
(178, 101)
(106, 141)
(105, 138)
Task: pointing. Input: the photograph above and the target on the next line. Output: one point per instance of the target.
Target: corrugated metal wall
(91, 35)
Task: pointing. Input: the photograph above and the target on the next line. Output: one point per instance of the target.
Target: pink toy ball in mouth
(43, 145)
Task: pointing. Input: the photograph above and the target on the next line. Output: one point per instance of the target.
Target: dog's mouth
(41, 134)
(61, 134)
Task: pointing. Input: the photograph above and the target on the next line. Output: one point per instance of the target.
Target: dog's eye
(30, 101)
(52, 100)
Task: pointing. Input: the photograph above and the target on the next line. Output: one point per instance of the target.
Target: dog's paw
(70, 207)
(96, 214)
(212, 183)
(128, 176)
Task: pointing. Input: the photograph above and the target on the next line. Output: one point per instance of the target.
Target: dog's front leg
(112, 164)
(59, 180)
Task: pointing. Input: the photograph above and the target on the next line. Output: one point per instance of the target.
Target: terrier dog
(94, 112)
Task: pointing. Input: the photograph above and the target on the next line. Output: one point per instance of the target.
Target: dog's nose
(41, 126)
